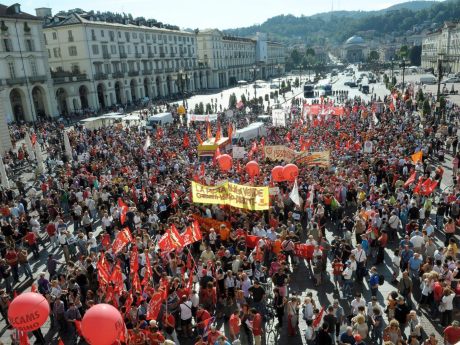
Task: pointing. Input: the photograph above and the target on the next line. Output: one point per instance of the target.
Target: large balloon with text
(28, 311)
(290, 172)
(252, 168)
(225, 162)
(277, 174)
(102, 324)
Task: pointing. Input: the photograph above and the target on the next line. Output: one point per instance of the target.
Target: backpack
(381, 279)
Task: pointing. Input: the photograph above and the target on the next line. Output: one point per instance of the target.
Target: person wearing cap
(452, 333)
(155, 336)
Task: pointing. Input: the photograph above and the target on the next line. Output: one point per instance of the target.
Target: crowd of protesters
(368, 212)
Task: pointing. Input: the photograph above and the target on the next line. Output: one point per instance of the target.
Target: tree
(197, 108)
(208, 108)
(201, 108)
(420, 97)
(261, 100)
(403, 52)
(266, 98)
(232, 101)
(283, 84)
(296, 82)
(442, 103)
(426, 107)
(415, 55)
(296, 57)
(243, 99)
(374, 56)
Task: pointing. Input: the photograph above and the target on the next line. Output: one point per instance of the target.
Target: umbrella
(68, 149)
(5, 182)
(30, 149)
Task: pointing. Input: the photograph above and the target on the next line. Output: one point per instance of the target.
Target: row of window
(7, 45)
(133, 66)
(128, 35)
(12, 68)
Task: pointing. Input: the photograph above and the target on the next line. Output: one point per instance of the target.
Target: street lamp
(403, 65)
(392, 69)
(181, 80)
(254, 69)
(279, 68)
(300, 74)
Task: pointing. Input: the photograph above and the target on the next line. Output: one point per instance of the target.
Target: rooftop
(14, 12)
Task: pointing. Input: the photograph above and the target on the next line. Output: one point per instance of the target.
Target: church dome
(355, 40)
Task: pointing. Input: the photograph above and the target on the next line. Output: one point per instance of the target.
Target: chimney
(43, 12)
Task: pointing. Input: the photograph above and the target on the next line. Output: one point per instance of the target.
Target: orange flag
(417, 156)
(208, 130)
(230, 131)
(198, 137)
(218, 133)
(186, 143)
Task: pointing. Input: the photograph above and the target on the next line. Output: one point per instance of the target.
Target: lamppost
(392, 69)
(300, 74)
(279, 68)
(441, 60)
(181, 80)
(254, 69)
(403, 65)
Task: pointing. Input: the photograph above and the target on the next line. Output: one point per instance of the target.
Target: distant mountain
(336, 27)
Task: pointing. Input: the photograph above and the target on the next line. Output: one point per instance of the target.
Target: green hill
(337, 26)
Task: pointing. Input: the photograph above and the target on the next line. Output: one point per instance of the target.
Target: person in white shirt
(356, 303)
(186, 316)
(347, 282)
(418, 242)
(360, 256)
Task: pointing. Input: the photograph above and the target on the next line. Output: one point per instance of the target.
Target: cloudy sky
(221, 14)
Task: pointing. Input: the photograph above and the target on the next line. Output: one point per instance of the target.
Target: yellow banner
(320, 159)
(232, 194)
(279, 153)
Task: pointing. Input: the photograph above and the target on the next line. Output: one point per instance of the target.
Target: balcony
(16, 81)
(123, 56)
(147, 72)
(118, 75)
(169, 70)
(105, 55)
(172, 55)
(151, 55)
(38, 79)
(158, 70)
(138, 55)
(100, 76)
(133, 73)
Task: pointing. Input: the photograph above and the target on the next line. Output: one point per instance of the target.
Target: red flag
(122, 239)
(288, 137)
(190, 283)
(392, 107)
(144, 194)
(124, 210)
(187, 236)
(148, 270)
(337, 125)
(230, 131)
(159, 133)
(23, 338)
(128, 302)
(103, 270)
(175, 237)
(410, 180)
(318, 318)
(202, 170)
(251, 241)
(134, 260)
(197, 236)
(174, 199)
(136, 283)
(165, 243)
(33, 139)
(357, 146)
(60, 342)
(218, 133)
(198, 137)
(134, 194)
(117, 278)
(186, 142)
(208, 130)
(154, 306)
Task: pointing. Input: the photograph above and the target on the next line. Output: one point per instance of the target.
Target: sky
(202, 14)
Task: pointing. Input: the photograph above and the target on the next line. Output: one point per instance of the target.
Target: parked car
(452, 80)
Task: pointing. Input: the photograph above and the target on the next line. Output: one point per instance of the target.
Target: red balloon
(102, 324)
(277, 174)
(225, 162)
(28, 311)
(252, 168)
(358, 338)
(290, 172)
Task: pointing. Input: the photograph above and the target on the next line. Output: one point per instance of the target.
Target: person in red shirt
(337, 269)
(169, 323)
(51, 231)
(12, 259)
(201, 316)
(31, 239)
(213, 335)
(452, 333)
(256, 326)
(155, 337)
(234, 325)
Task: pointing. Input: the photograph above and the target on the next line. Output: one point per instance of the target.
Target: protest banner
(279, 153)
(232, 194)
(238, 152)
(279, 118)
(201, 118)
(320, 159)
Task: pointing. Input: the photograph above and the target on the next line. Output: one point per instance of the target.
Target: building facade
(97, 63)
(25, 89)
(443, 45)
(354, 50)
(232, 59)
